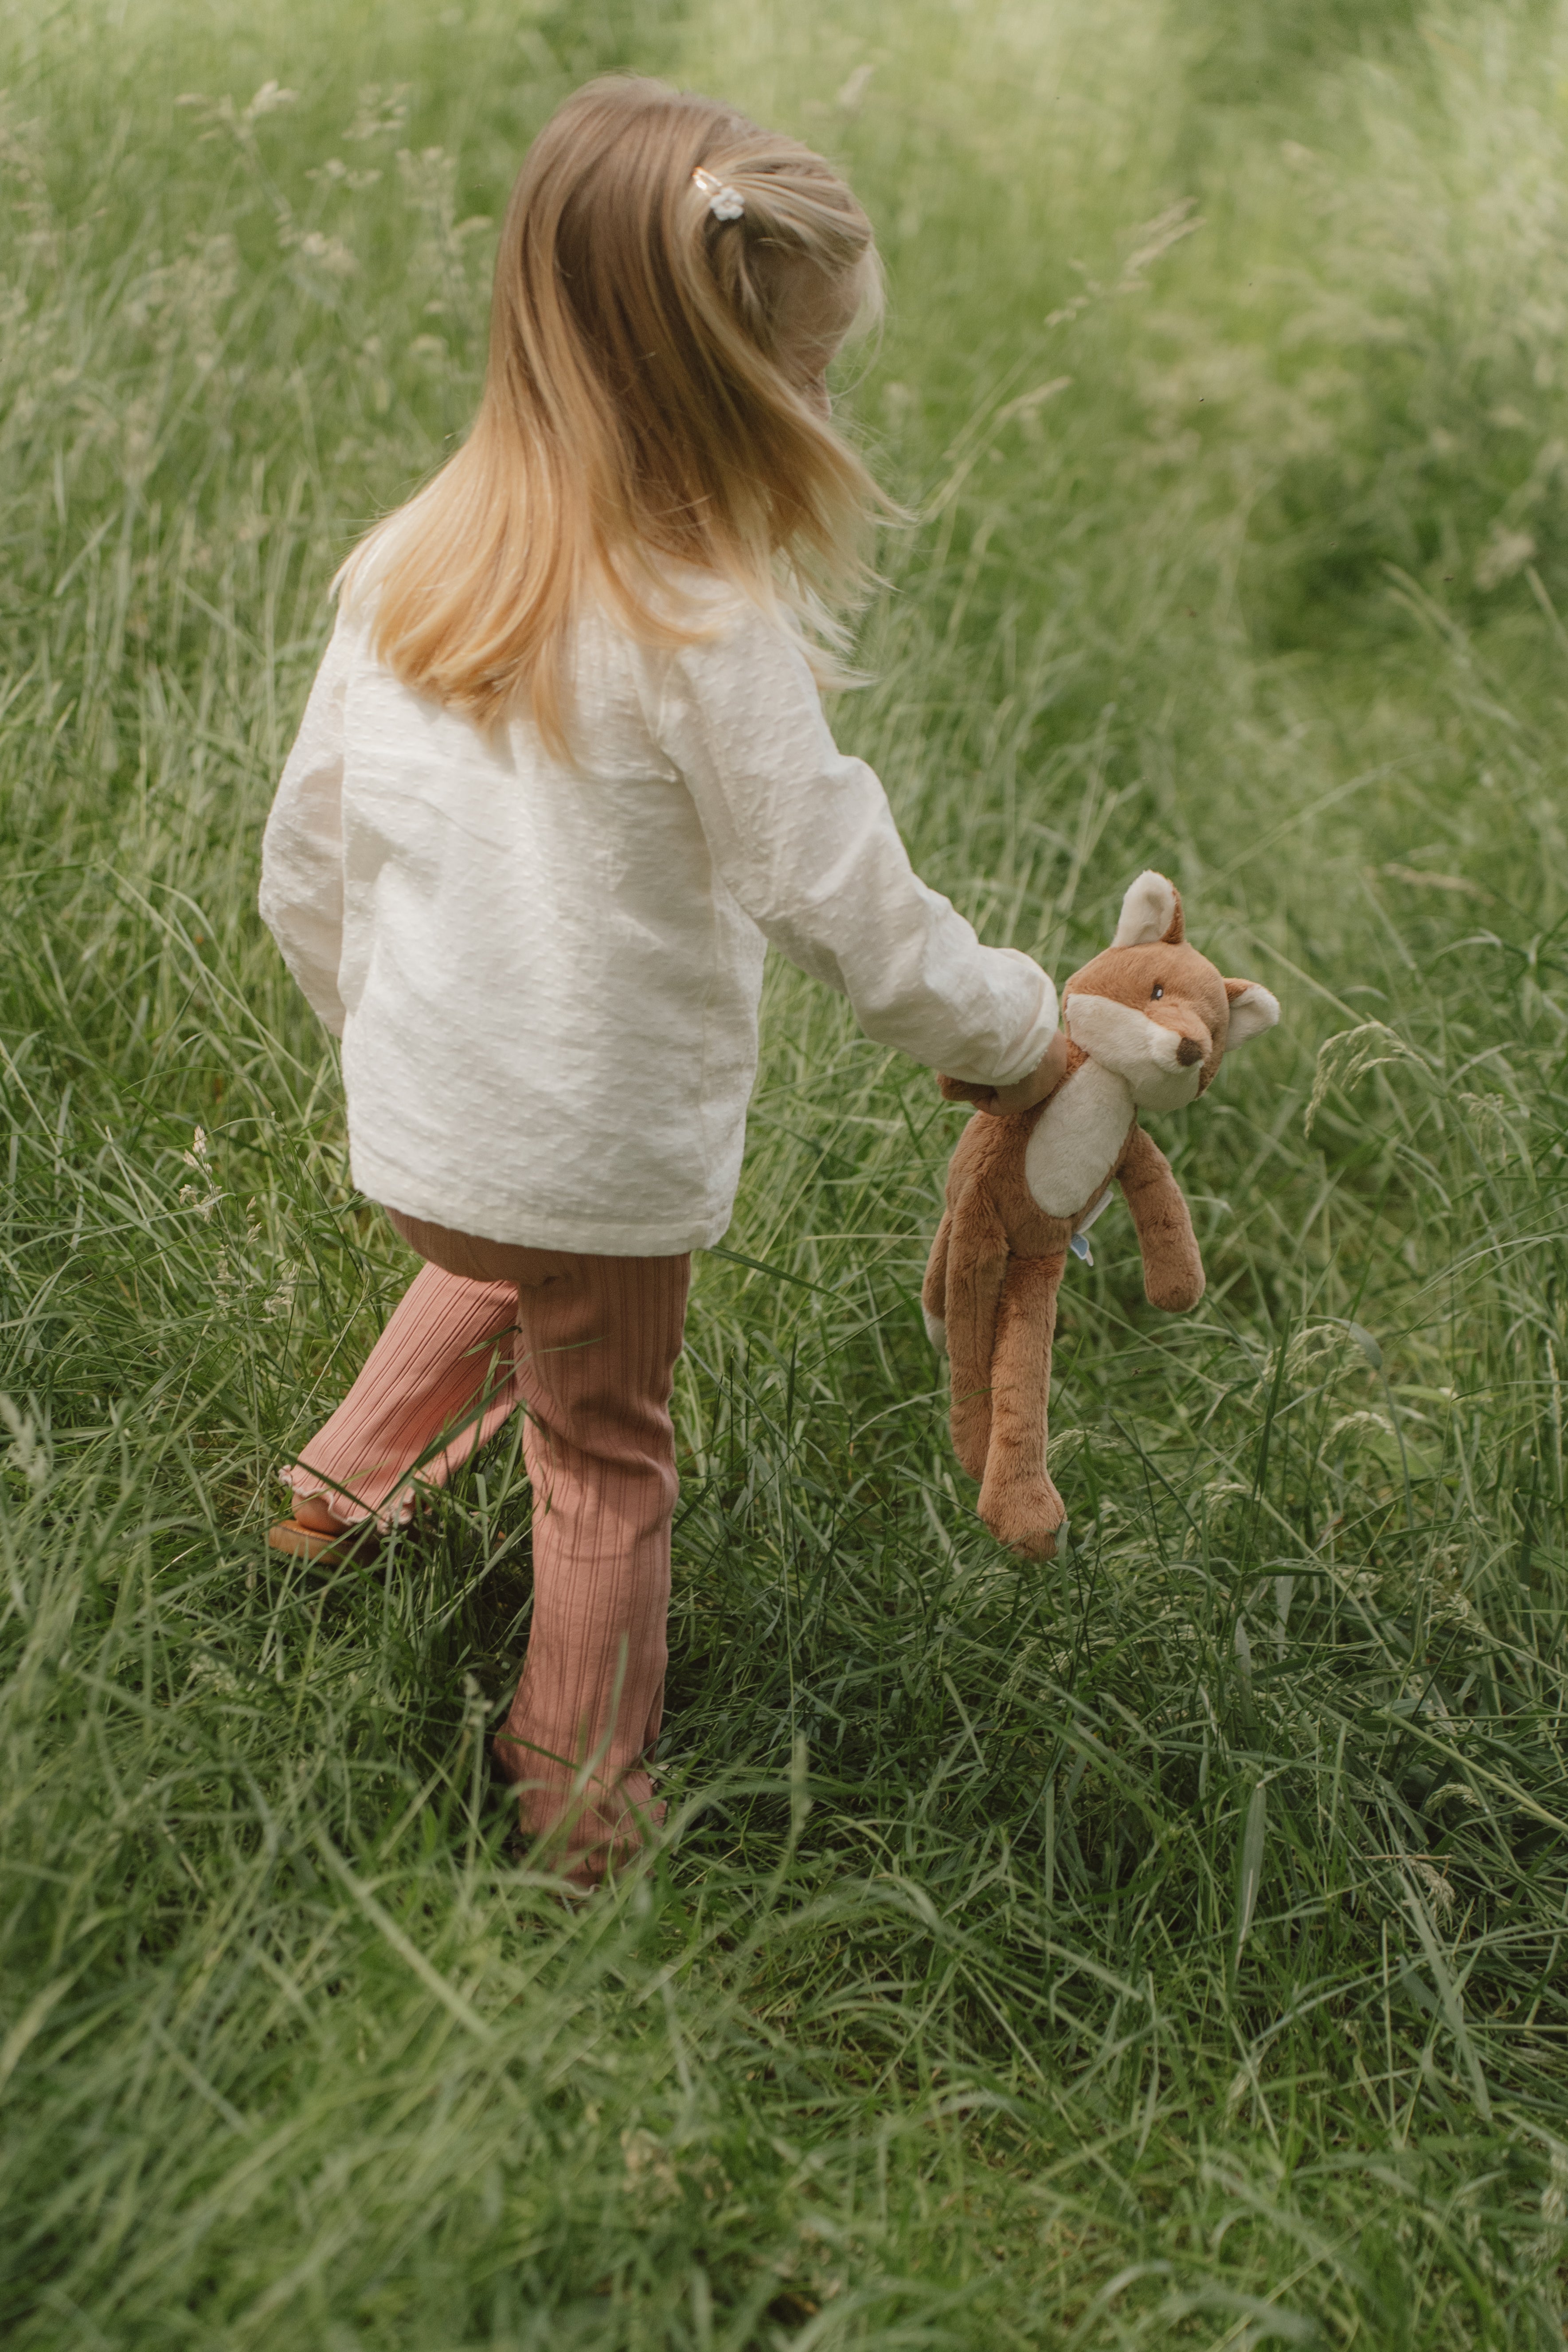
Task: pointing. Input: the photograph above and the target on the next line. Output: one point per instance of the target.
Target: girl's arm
(301, 850)
(805, 840)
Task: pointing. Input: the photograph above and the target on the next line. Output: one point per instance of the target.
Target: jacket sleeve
(301, 849)
(806, 841)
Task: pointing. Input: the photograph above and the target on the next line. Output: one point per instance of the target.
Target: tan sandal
(326, 1550)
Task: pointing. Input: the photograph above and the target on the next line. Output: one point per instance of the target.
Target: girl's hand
(1043, 1079)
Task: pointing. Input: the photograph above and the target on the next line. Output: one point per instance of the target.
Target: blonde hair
(638, 406)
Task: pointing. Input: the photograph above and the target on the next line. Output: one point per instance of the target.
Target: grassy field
(1168, 1947)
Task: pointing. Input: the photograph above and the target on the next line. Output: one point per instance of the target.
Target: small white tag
(1080, 1247)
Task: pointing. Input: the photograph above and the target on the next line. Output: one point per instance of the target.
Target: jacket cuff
(1024, 1056)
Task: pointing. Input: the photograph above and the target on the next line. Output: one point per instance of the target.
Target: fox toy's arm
(1047, 1076)
(1173, 1270)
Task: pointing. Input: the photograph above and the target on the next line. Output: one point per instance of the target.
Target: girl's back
(538, 978)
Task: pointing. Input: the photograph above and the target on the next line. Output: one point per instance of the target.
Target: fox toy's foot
(1027, 1515)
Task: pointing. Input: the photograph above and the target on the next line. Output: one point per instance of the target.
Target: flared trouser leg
(595, 1365)
(437, 1383)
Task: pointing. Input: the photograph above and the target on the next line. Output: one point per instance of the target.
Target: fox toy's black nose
(1188, 1052)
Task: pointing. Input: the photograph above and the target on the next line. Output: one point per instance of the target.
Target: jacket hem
(584, 1236)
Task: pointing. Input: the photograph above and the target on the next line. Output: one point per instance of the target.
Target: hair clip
(725, 203)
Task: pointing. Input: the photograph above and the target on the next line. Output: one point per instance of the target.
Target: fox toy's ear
(1151, 910)
(1252, 1010)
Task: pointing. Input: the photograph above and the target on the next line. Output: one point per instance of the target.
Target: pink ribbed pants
(587, 1347)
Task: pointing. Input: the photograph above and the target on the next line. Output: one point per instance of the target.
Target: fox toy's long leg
(1017, 1500)
(976, 1264)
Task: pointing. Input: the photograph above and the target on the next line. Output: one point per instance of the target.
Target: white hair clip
(725, 203)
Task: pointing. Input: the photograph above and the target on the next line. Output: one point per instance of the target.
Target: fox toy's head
(1153, 1010)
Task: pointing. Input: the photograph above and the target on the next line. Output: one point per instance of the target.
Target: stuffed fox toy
(1147, 1025)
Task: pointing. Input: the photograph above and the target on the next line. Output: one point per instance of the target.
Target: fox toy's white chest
(1077, 1141)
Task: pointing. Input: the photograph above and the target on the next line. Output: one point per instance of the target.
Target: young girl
(564, 773)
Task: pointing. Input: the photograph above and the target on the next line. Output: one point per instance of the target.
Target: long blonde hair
(638, 405)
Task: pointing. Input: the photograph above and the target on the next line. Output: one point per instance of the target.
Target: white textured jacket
(546, 975)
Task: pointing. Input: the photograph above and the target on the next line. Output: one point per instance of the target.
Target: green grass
(1168, 1947)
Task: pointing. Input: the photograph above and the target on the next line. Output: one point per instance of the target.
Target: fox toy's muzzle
(1161, 1059)
(1194, 1043)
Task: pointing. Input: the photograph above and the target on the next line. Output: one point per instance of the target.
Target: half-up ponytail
(639, 405)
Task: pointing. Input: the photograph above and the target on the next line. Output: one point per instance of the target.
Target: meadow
(1163, 1946)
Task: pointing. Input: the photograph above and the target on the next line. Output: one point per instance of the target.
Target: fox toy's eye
(1158, 989)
